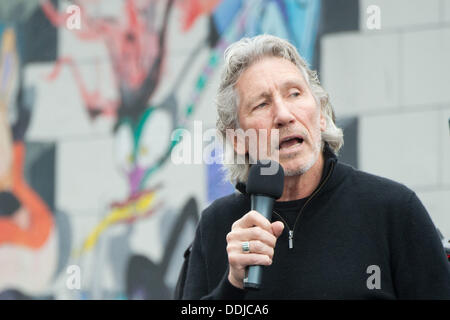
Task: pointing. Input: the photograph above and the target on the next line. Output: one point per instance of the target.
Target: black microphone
(265, 184)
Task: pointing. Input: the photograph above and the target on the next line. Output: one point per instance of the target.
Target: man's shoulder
(377, 194)
(370, 182)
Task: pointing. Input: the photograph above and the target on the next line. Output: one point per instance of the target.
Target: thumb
(277, 228)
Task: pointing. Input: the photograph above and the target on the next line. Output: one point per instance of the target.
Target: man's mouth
(290, 141)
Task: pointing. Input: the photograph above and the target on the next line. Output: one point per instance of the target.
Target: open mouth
(290, 141)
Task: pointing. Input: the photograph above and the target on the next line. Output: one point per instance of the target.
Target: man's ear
(323, 122)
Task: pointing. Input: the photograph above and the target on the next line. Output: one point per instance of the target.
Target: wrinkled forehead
(268, 73)
(275, 64)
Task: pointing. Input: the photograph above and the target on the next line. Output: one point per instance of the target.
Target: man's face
(273, 94)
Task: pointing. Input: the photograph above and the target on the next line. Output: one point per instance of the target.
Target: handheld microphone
(265, 184)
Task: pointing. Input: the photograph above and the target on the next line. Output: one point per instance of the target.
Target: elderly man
(336, 232)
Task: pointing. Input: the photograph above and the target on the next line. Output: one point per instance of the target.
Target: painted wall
(88, 120)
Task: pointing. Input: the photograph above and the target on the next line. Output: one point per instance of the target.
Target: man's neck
(302, 186)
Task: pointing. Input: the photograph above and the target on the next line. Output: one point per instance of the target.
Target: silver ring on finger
(246, 246)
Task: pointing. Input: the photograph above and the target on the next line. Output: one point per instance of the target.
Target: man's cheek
(268, 144)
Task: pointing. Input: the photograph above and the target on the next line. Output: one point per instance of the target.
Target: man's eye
(295, 94)
(262, 105)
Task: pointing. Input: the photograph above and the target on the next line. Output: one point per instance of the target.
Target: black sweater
(356, 220)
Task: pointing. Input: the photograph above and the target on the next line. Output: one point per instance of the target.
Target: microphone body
(264, 186)
(264, 205)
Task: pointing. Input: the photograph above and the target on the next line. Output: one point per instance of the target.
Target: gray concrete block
(403, 147)
(444, 123)
(401, 13)
(445, 7)
(425, 67)
(361, 72)
(437, 204)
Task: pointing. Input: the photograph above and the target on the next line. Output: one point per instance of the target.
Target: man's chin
(294, 167)
(295, 172)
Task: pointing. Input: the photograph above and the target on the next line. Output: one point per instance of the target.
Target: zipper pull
(291, 237)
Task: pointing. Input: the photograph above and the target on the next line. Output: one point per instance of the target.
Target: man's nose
(282, 113)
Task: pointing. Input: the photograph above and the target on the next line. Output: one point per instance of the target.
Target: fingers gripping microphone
(265, 184)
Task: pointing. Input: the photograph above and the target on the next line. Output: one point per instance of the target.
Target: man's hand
(261, 235)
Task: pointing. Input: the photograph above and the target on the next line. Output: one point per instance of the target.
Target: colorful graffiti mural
(28, 240)
(132, 247)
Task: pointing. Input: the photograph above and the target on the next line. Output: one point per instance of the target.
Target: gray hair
(238, 57)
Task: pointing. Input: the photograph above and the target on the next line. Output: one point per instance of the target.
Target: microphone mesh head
(266, 179)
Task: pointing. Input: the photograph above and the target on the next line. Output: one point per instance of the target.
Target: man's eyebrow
(291, 83)
(265, 95)
(285, 85)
